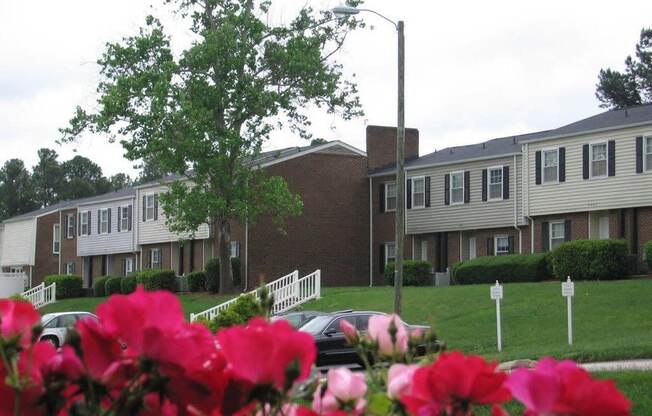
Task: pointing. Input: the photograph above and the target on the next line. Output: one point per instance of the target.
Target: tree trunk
(224, 250)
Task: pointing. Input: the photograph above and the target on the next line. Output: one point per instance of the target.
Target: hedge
(68, 286)
(508, 269)
(156, 279)
(99, 286)
(591, 259)
(415, 273)
(113, 285)
(213, 273)
(196, 281)
(128, 285)
(238, 313)
(648, 254)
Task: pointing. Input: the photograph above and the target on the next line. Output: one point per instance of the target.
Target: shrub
(128, 285)
(415, 273)
(213, 273)
(238, 313)
(18, 297)
(112, 285)
(156, 279)
(99, 286)
(648, 254)
(68, 286)
(510, 268)
(196, 281)
(591, 259)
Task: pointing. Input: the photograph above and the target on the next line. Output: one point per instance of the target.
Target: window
(84, 225)
(550, 166)
(104, 221)
(419, 192)
(149, 207)
(390, 253)
(557, 234)
(56, 239)
(335, 325)
(129, 266)
(457, 188)
(124, 218)
(501, 244)
(390, 196)
(235, 249)
(70, 229)
(16, 269)
(648, 153)
(598, 160)
(155, 258)
(70, 268)
(495, 183)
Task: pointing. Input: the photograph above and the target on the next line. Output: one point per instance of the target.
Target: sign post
(496, 293)
(568, 291)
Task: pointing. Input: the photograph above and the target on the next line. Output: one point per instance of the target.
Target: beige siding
(109, 243)
(474, 215)
(626, 189)
(19, 243)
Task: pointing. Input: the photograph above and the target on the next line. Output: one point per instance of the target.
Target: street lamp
(344, 11)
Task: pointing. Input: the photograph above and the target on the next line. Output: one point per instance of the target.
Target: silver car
(55, 325)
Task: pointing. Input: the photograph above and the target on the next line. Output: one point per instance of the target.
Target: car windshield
(316, 325)
(45, 318)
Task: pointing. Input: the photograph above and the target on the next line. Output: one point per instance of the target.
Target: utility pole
(400, 173)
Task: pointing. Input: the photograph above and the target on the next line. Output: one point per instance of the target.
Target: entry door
(604, 227)
(472, 250)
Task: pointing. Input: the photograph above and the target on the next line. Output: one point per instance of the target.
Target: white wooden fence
(12, 284)
(289, 292)
(41, 295)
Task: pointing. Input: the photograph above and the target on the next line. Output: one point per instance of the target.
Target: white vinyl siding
(390, 196)
(550, 166)
(390, 253)
(598, 160)
(457, 187)
(557, 234)
(501, 244)
(70, 226)
(648, 153)
(109, 243)
(418, 192)
(56, 239)
(19, 242)
(495, 183)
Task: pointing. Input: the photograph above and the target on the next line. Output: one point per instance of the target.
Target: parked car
(56, 325)
(332, 347)
(299, 318)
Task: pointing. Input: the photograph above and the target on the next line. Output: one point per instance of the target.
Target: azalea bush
(143, 358)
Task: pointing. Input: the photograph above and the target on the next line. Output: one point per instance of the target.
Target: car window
(83, 316)
(52, 323)
(316, 325)
(336, 323)
(66, 321)
(362, 322)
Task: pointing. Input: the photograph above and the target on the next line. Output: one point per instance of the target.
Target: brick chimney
(381, 146)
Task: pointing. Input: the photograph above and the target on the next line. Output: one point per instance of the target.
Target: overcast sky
(474, 69)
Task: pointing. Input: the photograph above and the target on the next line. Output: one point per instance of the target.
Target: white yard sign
(496, 293)
(568, 291)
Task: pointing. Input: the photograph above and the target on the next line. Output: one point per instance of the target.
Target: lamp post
(400, 150)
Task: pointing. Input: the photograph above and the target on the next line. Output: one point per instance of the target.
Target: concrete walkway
(639, 365)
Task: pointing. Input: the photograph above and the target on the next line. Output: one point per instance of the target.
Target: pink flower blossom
(17, 319)
(379, 326)
(349, 331)
(346, 391)
(399, 380)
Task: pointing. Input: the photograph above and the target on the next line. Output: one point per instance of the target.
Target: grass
(611, 319)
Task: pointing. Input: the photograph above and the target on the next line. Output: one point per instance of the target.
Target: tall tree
(47, 178)
(16, 191)
(208, 109)
(83, 178)
(150, 170)
(632, 87)
(120, 181)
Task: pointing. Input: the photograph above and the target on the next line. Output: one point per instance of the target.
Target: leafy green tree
(205, 112)
(120, 181)
(151, 171)
(47, 178)
(632, 87)
(317, 141)
(16, 191)
(83, 178)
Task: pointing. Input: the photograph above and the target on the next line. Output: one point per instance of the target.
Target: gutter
(371, 234)
(604, 129)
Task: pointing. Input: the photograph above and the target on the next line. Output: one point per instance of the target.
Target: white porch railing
(289, 291)
(41, 295)
(12, 284)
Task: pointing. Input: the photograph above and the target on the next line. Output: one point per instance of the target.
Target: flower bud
(349, 331)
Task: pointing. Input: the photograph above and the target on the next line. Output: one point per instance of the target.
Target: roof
(505, 146)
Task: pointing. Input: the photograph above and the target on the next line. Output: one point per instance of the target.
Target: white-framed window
(550, 166)
(56, 239)
(557, 234)
(495, 183)
(70, 268)
(598, 160)
(390, 196)
(104, 221)
(418, 192)
(501, 244)
(129, 265)
(155, 258)
(16, 269)
(390, 253)
(234, 249)
(647, 153)
(124, 218)
(70, 226)
(83, 223)
(457, 187)
(149, 207)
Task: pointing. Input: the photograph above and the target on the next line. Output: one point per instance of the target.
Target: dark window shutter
(585, 161)
(381, 258)
(427, 193)
(510, 239)
(639, 154)
(99, 220)
(381, 197)
(144, 208)
(129, 216)
(567, 230)
(79, 229)
(562, 164)
(88, 227)
(72, 268)
(537, 167)
(545, 236)
(467, 187)
(155, 207)
(74, 224)
(484, 185)
(119, 219)
(447, 189)
(160, 258)
(64, 229)
(108, 216)
(408, 194)
(611, 156)
(505, 182)
(123, 263)
(490, 246)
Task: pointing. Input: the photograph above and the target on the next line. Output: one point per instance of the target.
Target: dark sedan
(332, 347)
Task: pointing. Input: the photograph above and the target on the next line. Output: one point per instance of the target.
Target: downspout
(520, 242)
(246, 256)
(371, 234)
(60, 241)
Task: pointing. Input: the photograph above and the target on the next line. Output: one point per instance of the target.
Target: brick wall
(117, 268)
(69, 245)
(579, 227)
(381, 146)
(165, 255)
(45, 262)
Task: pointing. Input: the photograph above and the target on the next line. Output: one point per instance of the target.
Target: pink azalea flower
(17, 319)
(399, 380)
(346, 391)
(349, 331)
(379, 332)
